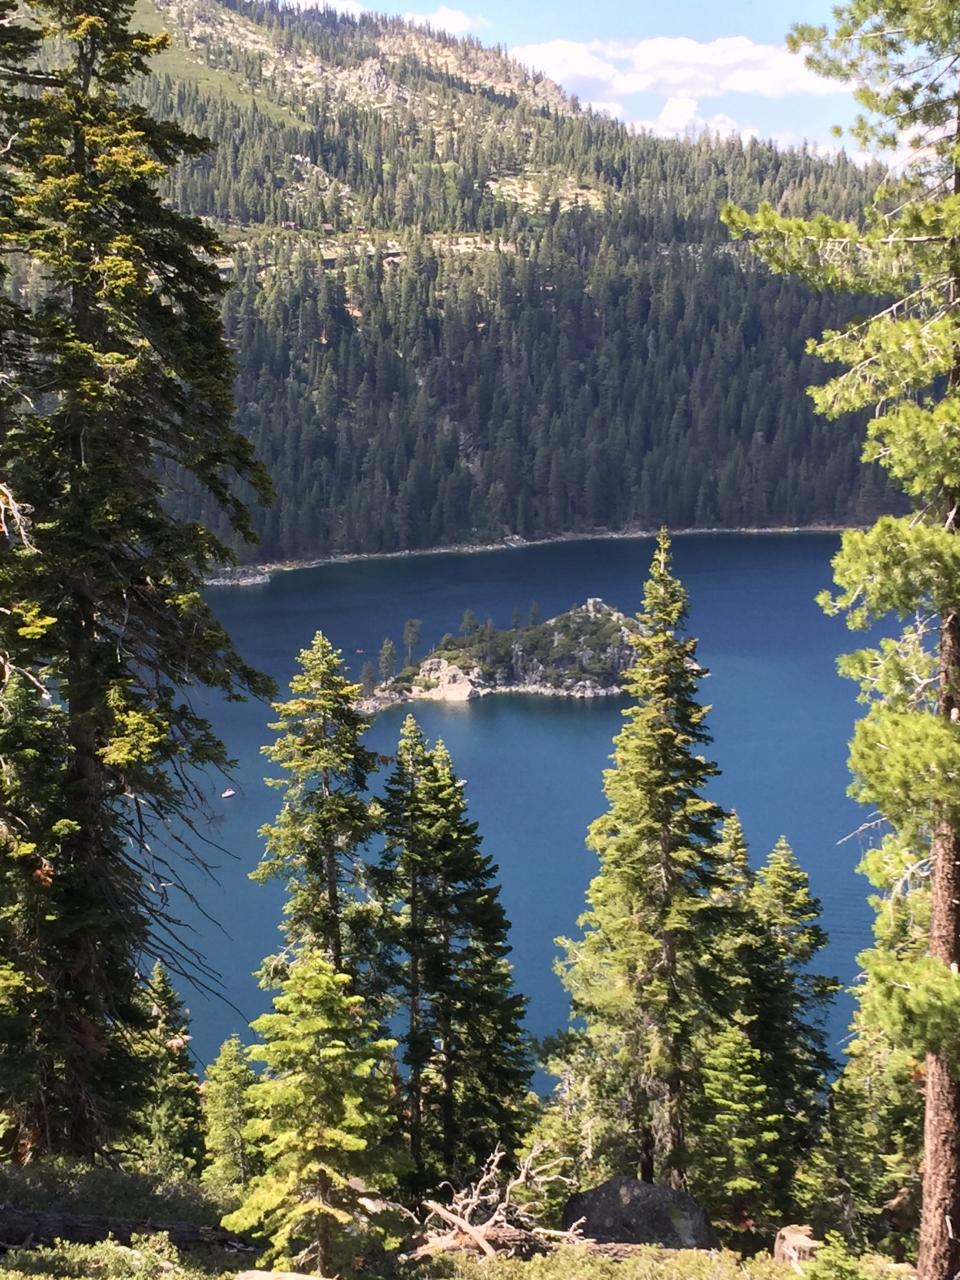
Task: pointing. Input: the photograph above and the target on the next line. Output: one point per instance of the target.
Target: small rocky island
(582, 653)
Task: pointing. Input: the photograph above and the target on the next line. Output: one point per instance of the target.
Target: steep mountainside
(465, 308)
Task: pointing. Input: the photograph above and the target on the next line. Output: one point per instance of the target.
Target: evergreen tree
(767, 934)
(635, 978)
(462, 1042)
(411, 636)
(387, 662)
(862, 1176)
(738, 1130)
(787, 1000)
(316, 844)
(19, 105)
(232, 1159)
(127, 346)
(320, 1109)
(902, 361)
(172, 1140)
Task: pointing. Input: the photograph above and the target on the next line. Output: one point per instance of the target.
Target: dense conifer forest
(464, 308)
(482, 364)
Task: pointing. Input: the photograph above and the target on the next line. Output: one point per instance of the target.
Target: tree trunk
(939, 1253)
(939, 1256)
(331, 871)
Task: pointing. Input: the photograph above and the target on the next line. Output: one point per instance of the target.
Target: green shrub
(835, 1262)
(650, 1264)
(74, 1187)
(146, 1258)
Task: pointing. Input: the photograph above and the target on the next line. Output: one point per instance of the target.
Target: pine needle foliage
(462, 1045)
(318, 1111)
(327, 818)
(902, 363)
(231, 1158)
(172, 1140)
(635, 977)
(737, 1129)
(103, 608)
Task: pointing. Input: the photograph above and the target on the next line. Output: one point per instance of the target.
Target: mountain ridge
(463, 314)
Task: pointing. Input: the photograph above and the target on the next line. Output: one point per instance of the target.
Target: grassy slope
(180, 64)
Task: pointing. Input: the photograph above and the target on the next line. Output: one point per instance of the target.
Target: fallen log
(21, 1228)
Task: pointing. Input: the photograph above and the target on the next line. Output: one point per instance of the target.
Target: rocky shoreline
(582, 653)
(464, 688)
(255, 575)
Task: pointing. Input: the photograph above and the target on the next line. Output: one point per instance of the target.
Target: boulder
(442, 681)
(626, 1211)
(274, 1275)
(795, 1244)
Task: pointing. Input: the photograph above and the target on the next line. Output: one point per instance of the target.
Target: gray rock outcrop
(627, 1211)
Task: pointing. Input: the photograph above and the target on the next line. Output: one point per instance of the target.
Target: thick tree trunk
(939, 1253)
(939, 1256)
(646, 1162)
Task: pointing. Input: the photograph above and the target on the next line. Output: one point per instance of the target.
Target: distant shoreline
(260, 574)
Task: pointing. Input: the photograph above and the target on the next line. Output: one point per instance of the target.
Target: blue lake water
(781, 719)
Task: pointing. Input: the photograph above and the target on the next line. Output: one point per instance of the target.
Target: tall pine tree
(327, 818)
(231, 1157)
(903, 362)
(461, 1038)
(635, 977)
(127, 347)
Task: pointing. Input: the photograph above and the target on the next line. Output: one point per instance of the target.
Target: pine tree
(387, 661)
(317, 843)
(19, 105)
(635, 978)
(172, 1139)
(320, 1110)
(902, 361)
(788, 1000)
(127, 346)
(231, 1158)
(862, 1176)
(462, 1041)
(411, 636)
(738, 1130)
(766, 935)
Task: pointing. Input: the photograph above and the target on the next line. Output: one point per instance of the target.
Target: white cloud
(456, 21)
(677, 115)
(566, 61)
(676, 67)
(681, 116)
(606, 108)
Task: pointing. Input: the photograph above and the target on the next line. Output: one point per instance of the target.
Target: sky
(671, 67)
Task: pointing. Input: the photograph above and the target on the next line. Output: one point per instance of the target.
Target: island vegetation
(381, 1122)
(582, 653)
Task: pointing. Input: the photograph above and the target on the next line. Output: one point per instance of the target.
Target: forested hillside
(465, 308)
